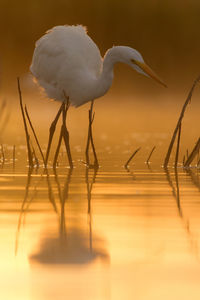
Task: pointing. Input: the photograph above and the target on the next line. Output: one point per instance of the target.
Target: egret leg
(51, 133)
(57, 149)
(88, 146)
(65, 133)
(90, 140)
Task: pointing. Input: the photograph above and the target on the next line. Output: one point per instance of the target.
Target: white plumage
(67, 62)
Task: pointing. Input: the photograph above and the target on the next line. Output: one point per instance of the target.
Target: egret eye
(133, 61)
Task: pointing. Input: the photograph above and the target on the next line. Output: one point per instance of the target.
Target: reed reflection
(72, 245)
(23, 208)
(89, 197)
(185, 221)
(175, 189)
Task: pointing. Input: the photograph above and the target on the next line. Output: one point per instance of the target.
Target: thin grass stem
(187, 153)
(35, 157)
(35, 136)
(192, 154)
(30, 158)
(131, 157)
(166, 161)
(198, 163)
(183, 160)
(150, 154)
(178, 146)
(55, 161)
(51, 133)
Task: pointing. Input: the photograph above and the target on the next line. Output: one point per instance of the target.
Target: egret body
(67, 64)
(66, 59)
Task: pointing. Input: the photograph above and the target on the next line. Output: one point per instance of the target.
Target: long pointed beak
(145, 68)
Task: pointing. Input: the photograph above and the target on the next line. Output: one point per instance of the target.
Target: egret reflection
(72, 244)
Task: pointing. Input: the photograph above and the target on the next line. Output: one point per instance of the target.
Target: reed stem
(166, 161)
(131, 157)
(147, 161)
(178, 147)
(192, 154)
(35, 136)
(30, 158)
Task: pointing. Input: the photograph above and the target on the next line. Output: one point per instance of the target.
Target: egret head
(134, 59)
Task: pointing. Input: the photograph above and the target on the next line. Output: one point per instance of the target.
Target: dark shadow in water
(71, 244)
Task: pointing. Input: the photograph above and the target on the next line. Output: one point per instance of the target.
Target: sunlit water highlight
(110, 234)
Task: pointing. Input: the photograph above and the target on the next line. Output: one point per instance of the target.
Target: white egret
(68, 65)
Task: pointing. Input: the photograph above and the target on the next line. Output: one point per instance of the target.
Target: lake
(107, 234)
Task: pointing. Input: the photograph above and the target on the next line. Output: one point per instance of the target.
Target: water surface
(110, 234)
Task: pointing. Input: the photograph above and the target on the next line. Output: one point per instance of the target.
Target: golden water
(114, 234)
(111, 234)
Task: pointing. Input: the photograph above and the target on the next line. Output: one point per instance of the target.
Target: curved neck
(106, 76)
(109, 61)
(112, 56)
(101, 84)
